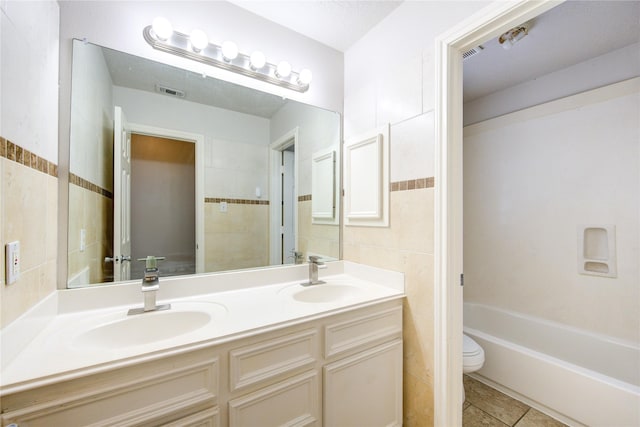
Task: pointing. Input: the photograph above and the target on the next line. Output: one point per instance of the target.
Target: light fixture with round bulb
(257, 60)
(198, 40)
(229, 51)
(162, 28)
(284, 70)
(305, 76)
(161, 35)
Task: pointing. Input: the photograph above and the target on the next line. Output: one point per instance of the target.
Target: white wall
(390, 78)
(118, 25)
(615, 66)
(236, 144)
(29, 118)
(91, 135)
(29, 82)
(317, 129)
(530, 181)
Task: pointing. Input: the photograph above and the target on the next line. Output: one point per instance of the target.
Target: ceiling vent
(170, 91)
(472, 52)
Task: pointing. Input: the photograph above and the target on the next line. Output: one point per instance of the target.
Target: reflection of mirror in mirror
(197, 165)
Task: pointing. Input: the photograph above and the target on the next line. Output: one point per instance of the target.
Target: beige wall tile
(236, 239)
(92, 212)
(3, 239)
(412, 219)
(317, 238)
(29, 214)
(407, 246)
(418, 402)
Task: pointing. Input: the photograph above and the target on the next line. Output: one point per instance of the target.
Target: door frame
(198, 140)
(275, 148)
(488, 23)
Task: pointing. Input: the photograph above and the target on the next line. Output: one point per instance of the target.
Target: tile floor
(487, 407)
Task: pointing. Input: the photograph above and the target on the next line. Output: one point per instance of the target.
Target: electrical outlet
(83, 239)
(223, 206)
(12, 257)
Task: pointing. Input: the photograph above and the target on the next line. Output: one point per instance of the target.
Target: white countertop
(42, 346)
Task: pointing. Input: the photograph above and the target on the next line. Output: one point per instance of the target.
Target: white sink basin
(325, 293)
(121, 331)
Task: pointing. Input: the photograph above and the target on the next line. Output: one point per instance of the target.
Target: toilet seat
(472, 355)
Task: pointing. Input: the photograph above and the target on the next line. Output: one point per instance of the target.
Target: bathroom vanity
(275, 354)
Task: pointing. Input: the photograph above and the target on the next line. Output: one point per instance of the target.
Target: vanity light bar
(181, 44)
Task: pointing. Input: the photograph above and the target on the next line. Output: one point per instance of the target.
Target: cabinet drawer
(272, 358)
(293, 402)
(362, 332)
(206, 418)
(136, 396)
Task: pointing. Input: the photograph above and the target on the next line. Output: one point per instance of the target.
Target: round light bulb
(284, 70)
(229, 51)
(258, 60)
(305, 76)
(199, 40)
(162, 28)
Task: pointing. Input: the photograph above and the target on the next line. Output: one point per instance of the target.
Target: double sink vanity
(244, 348)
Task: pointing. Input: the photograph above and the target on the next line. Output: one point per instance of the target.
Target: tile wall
(407, 246)
(321, 239)
(400, 90)
(237, 238)
(91, 210)
(29, 214)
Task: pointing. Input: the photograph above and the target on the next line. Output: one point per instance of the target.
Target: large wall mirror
(210, 175)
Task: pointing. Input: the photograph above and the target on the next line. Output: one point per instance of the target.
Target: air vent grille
(170, 91)
(472, 52)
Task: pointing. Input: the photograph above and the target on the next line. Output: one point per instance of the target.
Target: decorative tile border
(235, 201)
(304, 198)
(413, 184)
(16, 153)
(88, 185)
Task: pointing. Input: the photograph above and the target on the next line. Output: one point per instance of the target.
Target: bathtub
(579, 377)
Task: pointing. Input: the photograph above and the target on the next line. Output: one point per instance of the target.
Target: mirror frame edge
(65, 79)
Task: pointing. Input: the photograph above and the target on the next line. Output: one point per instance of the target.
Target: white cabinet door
(365, 389)
(293, 402)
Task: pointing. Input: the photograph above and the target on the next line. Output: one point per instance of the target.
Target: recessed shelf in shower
(597, 250)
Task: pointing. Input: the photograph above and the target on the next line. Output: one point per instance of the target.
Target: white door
(121, 197)
(288, 203)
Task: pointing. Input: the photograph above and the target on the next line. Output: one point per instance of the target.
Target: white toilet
(472, 357)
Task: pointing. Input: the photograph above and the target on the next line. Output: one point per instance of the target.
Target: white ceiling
(335, 23)
(566, 35)
(570, 33)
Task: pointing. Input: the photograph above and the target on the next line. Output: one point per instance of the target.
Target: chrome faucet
(314, 265)
(150, 286)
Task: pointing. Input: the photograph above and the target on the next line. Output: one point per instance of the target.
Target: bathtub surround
(536, 176)
(547, 364)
